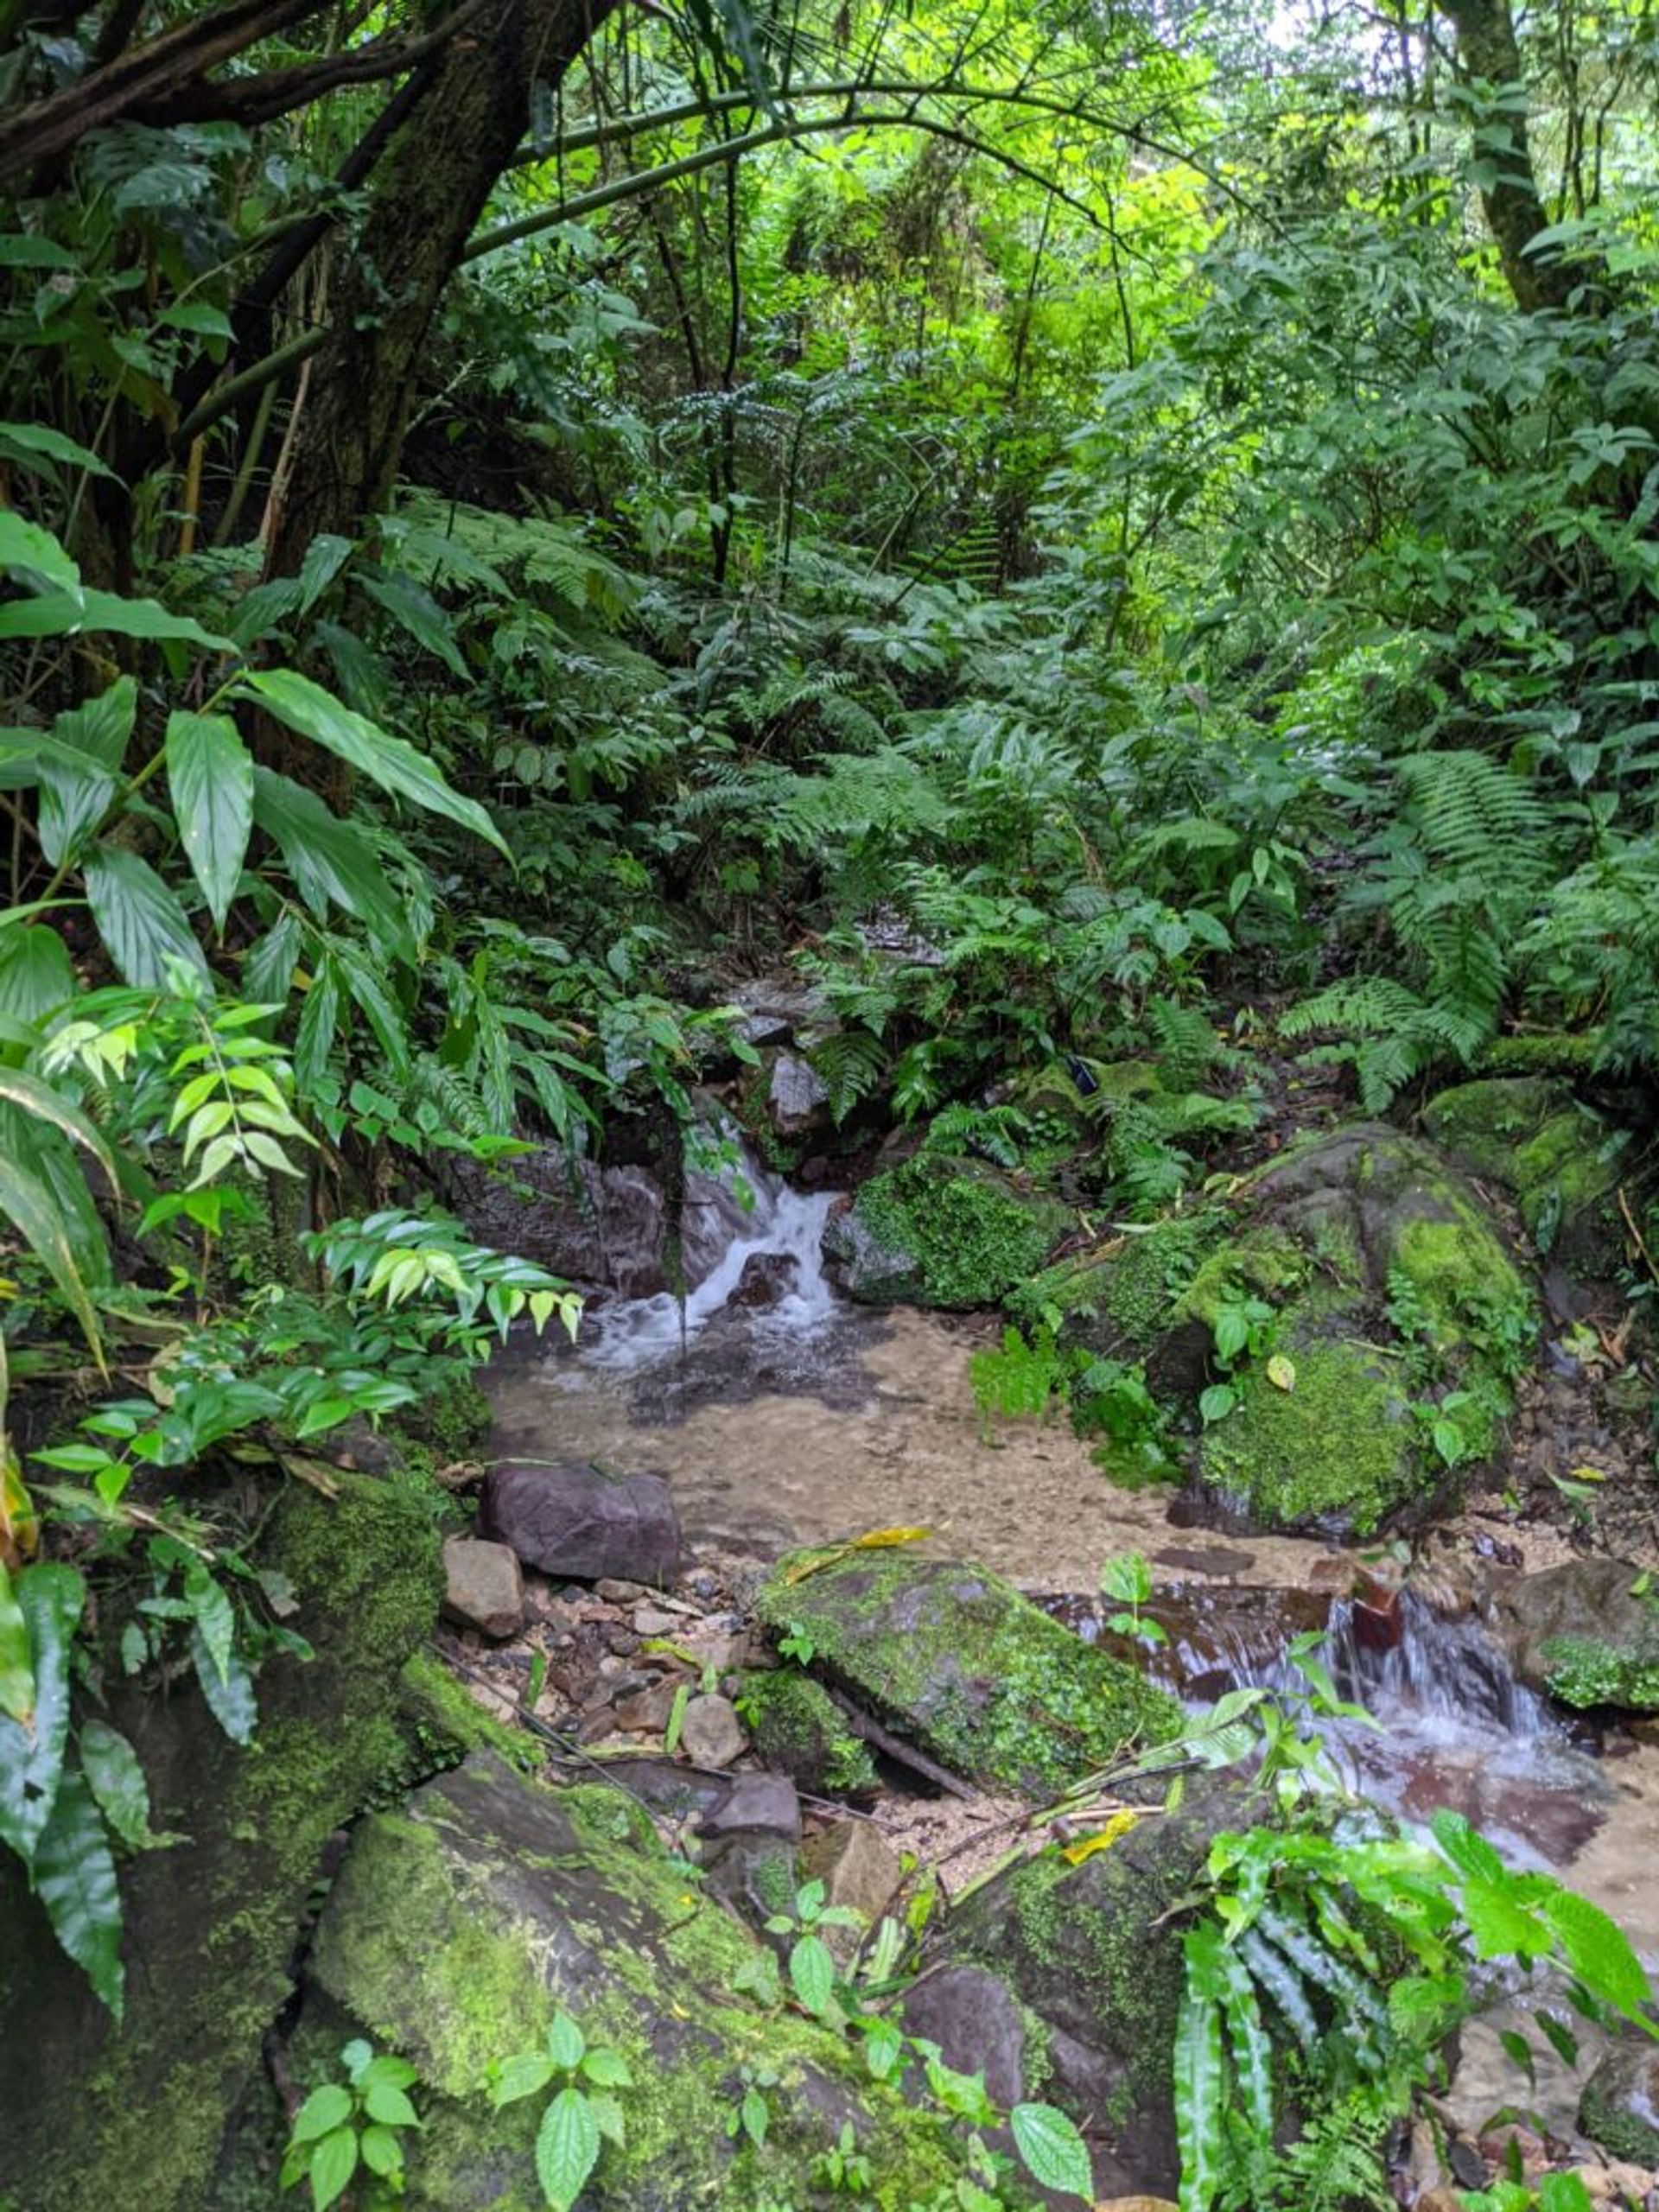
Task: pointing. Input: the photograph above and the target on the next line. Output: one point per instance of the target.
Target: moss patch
(1337, 1448)
(796, 1726)
(1122, 1296)
(970, 1233)
(971, 1670)
(1582, 1671)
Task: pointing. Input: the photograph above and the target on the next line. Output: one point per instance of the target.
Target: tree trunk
(1515, 209)
(429, 191)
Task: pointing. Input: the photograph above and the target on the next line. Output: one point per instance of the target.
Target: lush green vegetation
(1119, 547)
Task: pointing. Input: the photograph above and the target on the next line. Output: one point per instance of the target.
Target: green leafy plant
(582, 2115)
(1128, 1580)
(357, 2124)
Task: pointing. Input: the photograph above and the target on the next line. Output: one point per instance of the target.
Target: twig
(905, 1754)
(1629, 1223)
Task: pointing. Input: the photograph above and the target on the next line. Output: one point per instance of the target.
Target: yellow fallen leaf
(1589, 1475)
(832, 1554)
(1103, 1838)
(1281, 1372)
(879, 1539)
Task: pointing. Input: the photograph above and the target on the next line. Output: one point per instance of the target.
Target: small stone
(711, 1734)
(571, 1520)
(484, 1588)
(859, 1869)
(618, 1593)
(1597, 2183)
(755, 1804)
(1468, 2168)
(621, 1640)
(1630, 2182)
(651, 1620)
(646, 1711)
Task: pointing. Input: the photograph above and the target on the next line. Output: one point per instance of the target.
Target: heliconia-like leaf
(210, 774)
(50, 1597)
(75, 1880)
(1200, 2097)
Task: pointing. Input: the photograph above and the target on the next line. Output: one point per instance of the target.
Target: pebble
(711, 1734)
(615, 1592)
(651, 1620)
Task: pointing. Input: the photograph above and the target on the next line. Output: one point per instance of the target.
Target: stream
(783, 1415)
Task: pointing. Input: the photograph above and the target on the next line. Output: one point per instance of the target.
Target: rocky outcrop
(944, 1232)
(1559, 1159)
(1586, 1631)
(571, 1520)
(954, 1659)
(462, 1921)
(1347, 1327)
(98, 2113)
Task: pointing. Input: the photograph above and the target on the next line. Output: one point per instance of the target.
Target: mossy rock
(1122, 1298)
(463, 1920)
(134, 2115)
(1587, 1632)
(954, 1659)
(944, 1232)
(1559, 1159)
(796, 1726)
(1093, 1954)
(1619, 2106)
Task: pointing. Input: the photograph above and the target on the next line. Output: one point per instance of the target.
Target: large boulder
(953, 1658)
(1395, 1318)
(945, 1232)
(1619, 2108)
(135, 2113)
(1586, 1631)
(572, 1520)
(463, 1920)
(1092, 1954)
(1557, 1158)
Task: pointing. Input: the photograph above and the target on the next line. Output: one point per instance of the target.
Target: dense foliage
(1121, 543)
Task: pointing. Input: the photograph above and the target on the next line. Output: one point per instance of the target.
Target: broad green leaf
(75, 1880)
(50, 1597)
(229, 1695)
(330, 860)
(416, 612)
(1499, 1924)
(117, 1780)
(74, 805)
(142, 924)
(1466, 1848)
(36, 974)
(1564, 2193)
(68, 613)
(334, 2162)
(812, 1972)
(1200, 2100)
(33, 439)
(17, 1665)
(323, 2111)
(567, 2149)
(324, 556)
(210, 773)
(46, 1104)
(1055, 2154)
(1597, 1951)
(381, 2152)
(385, 2102)
(26, 545)
(49, 1230)
(521, 2075)
(389, 761)
(608, 2068)
(565, 2043)
(101, 729)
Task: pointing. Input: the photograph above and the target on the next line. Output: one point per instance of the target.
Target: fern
(851, 1064)
(1187, 1042)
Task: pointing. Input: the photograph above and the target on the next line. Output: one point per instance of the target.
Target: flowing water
(783, 1415)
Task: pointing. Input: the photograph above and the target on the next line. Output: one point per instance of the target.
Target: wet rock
(1584, 1632)
(571, 1520)
(974, 2018)
(1359, 1250)
(943, 1232)
(484, 1587)
(463, 1920)
(1093, 1954)
(860, 1871)
(797, 1098)
(797, 1726)
(596, 1225)
(618, 1593)
(954, 1658)
(1620, 2109)
(667, 1786)
(768, 1278)
(711, 1734)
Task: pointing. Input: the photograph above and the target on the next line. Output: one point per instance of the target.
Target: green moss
(1556, 1052)
(1460, 1274)
(1264, 1261)
(1336, 1447)
(796, 1726)
(444, 1722)
(1585, 1672)
(1611, 2116)
(971, 1233)
(984, 1679)
(1129, 1286)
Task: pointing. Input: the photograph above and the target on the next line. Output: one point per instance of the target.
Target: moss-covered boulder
(1561, 1160)
(796, 1726)
(98, 2113)
(463, 1920)
(954, 1659)
(1587, 1632)
(1381, 1318)
(1097, 1967)
(939, 1231)
(1619, 2108)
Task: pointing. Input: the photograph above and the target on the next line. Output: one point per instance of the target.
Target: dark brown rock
(571, 1520)
(972, 2015)
(483, 1587)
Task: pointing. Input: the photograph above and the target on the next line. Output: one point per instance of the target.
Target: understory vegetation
(1113, 550)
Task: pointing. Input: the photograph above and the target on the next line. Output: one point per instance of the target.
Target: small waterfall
(788, 1297)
